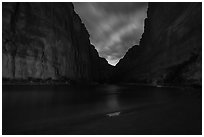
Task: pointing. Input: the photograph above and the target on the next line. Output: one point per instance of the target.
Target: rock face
(48, 41)
(170, 50)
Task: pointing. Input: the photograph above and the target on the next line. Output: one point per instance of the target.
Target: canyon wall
(48, 41)
(170, 50)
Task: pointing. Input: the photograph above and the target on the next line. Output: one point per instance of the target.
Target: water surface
(100, 109)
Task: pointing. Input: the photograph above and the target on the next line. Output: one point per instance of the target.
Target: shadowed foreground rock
(170, 50)
(48, 41)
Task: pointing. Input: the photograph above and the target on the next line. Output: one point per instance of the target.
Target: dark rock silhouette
(48, 41)
(170, 50)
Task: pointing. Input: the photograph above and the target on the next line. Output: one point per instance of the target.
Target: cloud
(114, 27)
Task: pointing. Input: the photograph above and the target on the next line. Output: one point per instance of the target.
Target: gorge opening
(114, 27)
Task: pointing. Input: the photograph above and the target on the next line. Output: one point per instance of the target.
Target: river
(101, 109)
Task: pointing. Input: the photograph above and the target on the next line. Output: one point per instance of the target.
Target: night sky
(114, 27)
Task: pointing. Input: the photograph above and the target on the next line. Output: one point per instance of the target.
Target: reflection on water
(112, 89)
(112, 102)
(37, 107)
(113, 114)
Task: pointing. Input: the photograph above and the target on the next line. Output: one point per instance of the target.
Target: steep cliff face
(170, 50)
(47, 41)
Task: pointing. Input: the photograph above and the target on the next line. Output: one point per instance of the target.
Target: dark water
(85, 110)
